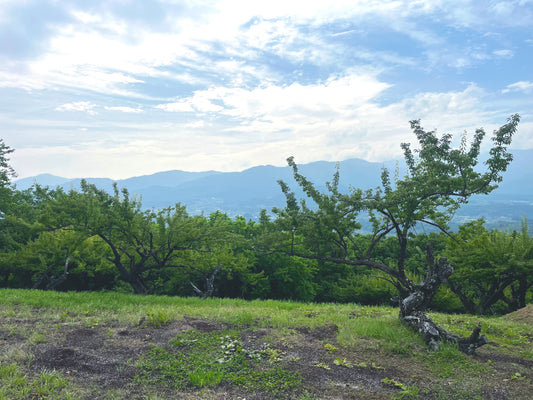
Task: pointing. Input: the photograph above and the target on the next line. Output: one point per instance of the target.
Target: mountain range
(247, 192)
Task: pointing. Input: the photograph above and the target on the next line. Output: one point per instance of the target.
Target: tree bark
(412, 310)
(138, 285)
(51, 282)
(209, 284)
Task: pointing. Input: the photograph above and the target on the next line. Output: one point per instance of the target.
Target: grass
(14, 384)
(270, 347)
(209, 359)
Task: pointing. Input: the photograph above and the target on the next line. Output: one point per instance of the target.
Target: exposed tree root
(433, 335)
(412, 310)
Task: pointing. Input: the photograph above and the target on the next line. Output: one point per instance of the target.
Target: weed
(206, 377)
(376, 366)
(189, 362)
(36, 337)
(387, 329)
(406, 391)
(517, 376)
(157, 318)
(274, 355)
(323, 365)
(307, 396)
(330, 348)
(342, 362)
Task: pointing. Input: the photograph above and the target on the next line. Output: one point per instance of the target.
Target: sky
(122, 88)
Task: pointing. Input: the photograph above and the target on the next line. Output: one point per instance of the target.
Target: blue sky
(131, 87)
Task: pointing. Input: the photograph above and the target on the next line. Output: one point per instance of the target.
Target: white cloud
(85, 17)
(328, 121)
(124, 109)
(83, 106)
(503, 53)
(196, 124)
(180, 106)
(521, 86)
(335, 96)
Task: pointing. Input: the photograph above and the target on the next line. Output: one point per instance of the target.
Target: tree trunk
(51, 282)
(412, 310)
(137, 285)
(209, 284)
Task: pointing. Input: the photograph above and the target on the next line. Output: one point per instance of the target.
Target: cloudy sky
(120, 88)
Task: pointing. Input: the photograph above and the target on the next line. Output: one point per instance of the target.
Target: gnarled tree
(438, 180)
(142, 244)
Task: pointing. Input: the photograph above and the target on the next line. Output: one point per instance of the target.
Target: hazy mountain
(247, 192)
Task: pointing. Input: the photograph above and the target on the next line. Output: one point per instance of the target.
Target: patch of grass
(196, 359)
(37, 337)
(388, 330)
(449, 362)
(201, 377)
(456, 390)
(14, 384)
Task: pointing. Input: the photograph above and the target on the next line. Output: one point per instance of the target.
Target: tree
(439, 179)
(145, 246)
(493, 270)
(6, 171)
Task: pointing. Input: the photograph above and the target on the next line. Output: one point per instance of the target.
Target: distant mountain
(247, 192)
(43, 180)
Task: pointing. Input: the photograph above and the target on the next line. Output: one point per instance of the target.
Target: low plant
(323, 365)
(14, 384)
(196, 359)
(342, 362)
(157, 318)
(330, 348)
(206, 377)
(406, 391)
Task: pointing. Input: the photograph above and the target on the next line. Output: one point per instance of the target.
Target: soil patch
(523, 315)
(103, 357)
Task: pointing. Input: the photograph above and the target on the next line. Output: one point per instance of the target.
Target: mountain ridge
(247, 192)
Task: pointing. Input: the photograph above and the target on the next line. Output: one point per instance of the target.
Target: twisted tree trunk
(412, 310)
(209, 284)
(51, 282)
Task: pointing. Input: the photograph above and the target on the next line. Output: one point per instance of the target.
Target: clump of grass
(37, 337)
(158, 317)
(14, 384)
(201, 377)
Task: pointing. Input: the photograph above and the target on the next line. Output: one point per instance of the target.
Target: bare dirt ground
(100, 360)
(524, 315)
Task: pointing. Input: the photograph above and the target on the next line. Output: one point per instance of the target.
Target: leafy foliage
(493, 270)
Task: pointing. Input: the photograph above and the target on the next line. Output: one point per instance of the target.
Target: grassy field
(117, 346)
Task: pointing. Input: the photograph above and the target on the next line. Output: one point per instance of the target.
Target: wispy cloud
(124, 109)
(83, 106)
(521, 86)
